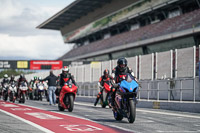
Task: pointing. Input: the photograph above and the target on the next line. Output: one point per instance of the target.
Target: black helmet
(21, 75)
(122, 64)
(106, 72)
(12, 77)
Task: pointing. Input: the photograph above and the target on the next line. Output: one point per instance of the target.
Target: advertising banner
(8, 64)
(46, 64)
(22, 64)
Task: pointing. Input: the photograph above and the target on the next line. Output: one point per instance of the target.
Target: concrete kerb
(193, 107)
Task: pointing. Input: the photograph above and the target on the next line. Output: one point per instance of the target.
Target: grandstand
(108, 29)
(160, 39)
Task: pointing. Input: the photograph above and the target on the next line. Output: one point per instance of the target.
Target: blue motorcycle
(126, 99)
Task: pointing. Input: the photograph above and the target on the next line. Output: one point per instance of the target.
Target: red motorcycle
(22, 92)
(67, 97)
(106, 95)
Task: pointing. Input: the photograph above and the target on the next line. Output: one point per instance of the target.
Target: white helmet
(65, 69)
(5, 75)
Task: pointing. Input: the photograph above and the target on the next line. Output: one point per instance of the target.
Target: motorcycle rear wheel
(71, 103)
(117, 116)
(131, 111)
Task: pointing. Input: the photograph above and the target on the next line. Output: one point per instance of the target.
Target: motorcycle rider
(30, 89)
(4, 81)
(119, 73)
(66, 75)
(13, 81)
(104, 78)
(20, 80)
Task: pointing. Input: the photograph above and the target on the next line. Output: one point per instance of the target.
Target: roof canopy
(71, 13)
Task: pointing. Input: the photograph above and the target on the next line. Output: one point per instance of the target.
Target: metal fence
(153, 70)
(186, 89)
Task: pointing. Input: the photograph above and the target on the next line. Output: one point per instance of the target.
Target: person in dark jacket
(52, 87)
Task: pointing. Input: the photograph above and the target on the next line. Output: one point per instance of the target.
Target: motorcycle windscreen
(131, 85)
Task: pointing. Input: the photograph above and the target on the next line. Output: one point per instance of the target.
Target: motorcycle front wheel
(71, 103)
(11, 97)
(23, 98)
(5, 96)
(131, 114)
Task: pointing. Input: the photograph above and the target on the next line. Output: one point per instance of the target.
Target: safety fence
(180, 66)
(186, 89)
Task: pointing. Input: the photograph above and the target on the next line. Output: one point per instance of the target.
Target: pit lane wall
(170, 75)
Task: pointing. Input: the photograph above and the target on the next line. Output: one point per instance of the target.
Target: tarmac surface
(147, 120)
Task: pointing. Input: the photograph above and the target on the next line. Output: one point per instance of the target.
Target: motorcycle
(12, 92)
(40, 90)
(126, 99)
(67, 97)
(22, 91)
(30, 93)
(5, 91)
(105, 98)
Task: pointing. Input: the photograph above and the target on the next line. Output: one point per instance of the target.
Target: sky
(19, 37)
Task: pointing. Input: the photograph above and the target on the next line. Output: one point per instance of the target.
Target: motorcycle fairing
(66, 89)
(130, 86)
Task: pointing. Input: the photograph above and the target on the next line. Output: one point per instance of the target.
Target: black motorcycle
(126, 99)
(5, 91)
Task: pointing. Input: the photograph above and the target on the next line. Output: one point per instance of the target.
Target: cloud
(18, 33)
(18, 19)
(35, 47)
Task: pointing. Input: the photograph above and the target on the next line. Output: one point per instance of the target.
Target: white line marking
(9, 105)
(83, 118)
(125, 129)
(171, 114)
(43, 116)
(20, 109)
(154, 112)
(28, 122)
(177, 131)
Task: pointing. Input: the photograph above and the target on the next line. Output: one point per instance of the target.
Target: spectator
(52, 87)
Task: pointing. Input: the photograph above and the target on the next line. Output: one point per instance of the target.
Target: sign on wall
(22, 64)
(45, 64)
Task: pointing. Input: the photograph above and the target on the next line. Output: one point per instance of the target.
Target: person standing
(52, 87)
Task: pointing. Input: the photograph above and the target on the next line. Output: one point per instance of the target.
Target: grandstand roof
(71, 13)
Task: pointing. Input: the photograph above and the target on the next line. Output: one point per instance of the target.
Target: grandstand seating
(167, 26)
